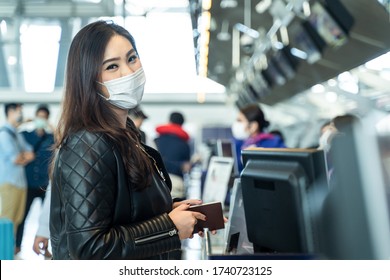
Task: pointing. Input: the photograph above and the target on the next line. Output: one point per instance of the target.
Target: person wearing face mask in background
(327, 132)
(15, 154)
(249, 131)
(37, 173)
(110, 193)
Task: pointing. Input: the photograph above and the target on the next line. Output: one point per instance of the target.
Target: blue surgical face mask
(126, 92)
(40, 123)
(19, 118)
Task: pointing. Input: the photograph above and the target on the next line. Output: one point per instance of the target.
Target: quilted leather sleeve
(86, 186)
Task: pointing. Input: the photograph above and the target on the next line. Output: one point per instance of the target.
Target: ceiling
(367, 39)
(296, 106)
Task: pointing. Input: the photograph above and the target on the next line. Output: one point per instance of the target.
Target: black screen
(326, 26)
(283, 191)
(307, 40)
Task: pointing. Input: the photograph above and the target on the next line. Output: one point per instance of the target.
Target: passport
(214, 216)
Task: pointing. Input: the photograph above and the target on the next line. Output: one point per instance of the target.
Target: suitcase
(6, 239)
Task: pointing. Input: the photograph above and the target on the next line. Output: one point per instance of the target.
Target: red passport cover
(213, 213)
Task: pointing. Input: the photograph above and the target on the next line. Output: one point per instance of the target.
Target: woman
(249, 131)
(110, 194)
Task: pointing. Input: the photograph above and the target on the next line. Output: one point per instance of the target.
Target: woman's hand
(187, 201)
(185, 220)
(40, 246)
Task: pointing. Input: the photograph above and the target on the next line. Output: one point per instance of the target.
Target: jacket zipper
(158, 236)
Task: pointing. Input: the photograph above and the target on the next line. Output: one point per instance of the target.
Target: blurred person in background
(42, 236)
(172, 143)
(15, 154)
(327, 132)
(37, 173)
(249, 130)
(138, 116)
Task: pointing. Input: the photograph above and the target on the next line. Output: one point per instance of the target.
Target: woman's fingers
(199, 216)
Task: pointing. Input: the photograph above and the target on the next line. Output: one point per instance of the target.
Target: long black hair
(253, 113)
(83, 108)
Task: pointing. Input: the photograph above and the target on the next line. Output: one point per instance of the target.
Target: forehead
(17, 108)
(42, 113)
(241, 116)
(117, 46)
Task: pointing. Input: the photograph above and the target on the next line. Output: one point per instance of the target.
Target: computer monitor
(227, 148)
(236, 237)
(328, 28)
(306, 39)
(217, 179)
(283, 191)
(356, 214)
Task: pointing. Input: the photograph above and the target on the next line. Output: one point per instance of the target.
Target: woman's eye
(112, 66)
(133, 58)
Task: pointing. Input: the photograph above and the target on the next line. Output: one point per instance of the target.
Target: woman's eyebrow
(117, 58)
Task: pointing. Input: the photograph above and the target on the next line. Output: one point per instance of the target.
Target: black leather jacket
(94, 212)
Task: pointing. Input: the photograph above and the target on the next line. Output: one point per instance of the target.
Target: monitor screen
(257, 83)
(286, 62)
(217, 179)
(273, 75)
(326, 26)
(254, 94)
(340, 14)
(225, 148)
(236, 237)
(283, 191)
(303, 41)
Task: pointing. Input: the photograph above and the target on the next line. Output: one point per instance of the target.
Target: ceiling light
(332, 82)
(385, 74)
(331, 96)
(3, 27)
(379, 63)
(306, 9)
(263, 5)
(284, 35)
(206, 4)
(12, 60)
(226, 4)
(298, 53)
(318, 88)
(224, 35)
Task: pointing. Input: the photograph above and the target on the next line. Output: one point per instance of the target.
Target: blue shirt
(37, 171)
(12, 144)
(261, 140)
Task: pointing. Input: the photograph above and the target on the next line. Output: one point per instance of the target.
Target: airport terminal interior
(305, 63)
